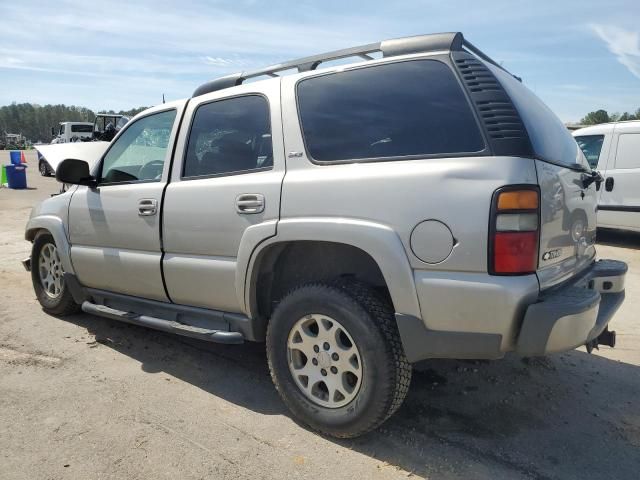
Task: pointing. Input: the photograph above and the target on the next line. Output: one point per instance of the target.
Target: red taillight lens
(515, 225)
(515, 252)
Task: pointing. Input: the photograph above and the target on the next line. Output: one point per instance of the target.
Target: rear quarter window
(391, 111)
(549, 137)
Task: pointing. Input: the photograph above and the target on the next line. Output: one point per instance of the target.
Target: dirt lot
(87, 398)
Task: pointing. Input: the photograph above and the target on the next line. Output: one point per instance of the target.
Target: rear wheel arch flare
(281, 266)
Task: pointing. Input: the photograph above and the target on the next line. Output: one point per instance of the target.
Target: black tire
(44, 169)
(62, 304)
(370, 322)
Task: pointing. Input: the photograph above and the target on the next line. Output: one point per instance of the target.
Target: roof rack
(389, 48)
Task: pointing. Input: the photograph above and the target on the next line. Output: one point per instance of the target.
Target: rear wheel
(336, 358)
(47, 276)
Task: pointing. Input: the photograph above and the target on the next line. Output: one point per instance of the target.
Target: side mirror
(75, 172)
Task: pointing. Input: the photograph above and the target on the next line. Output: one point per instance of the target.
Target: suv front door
(227, 184)
(115, 228)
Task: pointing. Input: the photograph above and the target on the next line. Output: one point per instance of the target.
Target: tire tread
(382, 314)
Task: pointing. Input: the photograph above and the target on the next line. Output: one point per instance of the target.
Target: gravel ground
(88, 398)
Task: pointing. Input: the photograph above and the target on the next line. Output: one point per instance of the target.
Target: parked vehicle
(103, 129)
(614, 149)
(13, 141)
(107, 125)
(72, 132)
(340, 215)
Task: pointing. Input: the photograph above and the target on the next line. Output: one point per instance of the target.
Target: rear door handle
(250, 203)
(147, 207)
(608, 184)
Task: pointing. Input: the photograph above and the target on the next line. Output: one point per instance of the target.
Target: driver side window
(140, 152)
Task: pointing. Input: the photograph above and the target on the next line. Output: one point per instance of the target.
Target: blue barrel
(16, 176)
(16, 158)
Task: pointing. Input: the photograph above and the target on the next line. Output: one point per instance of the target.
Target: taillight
(514, 231)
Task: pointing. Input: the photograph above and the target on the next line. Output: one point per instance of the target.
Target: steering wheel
(151, 170)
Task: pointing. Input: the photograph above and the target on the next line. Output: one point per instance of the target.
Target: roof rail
(389, 48)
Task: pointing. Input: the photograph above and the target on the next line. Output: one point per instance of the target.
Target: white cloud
(576, 87)
(624, 44)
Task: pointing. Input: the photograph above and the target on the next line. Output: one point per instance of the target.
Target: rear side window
(82, 128)
(229, 136)
(412, 108)
(628, 153)
(591, 146)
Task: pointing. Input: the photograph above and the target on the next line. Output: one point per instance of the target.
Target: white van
(614, 150)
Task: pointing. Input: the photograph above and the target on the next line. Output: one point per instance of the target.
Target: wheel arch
(53, 226)
(374, 248)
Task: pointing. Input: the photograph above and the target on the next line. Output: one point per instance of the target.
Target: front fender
(379, 241)
(56, 228)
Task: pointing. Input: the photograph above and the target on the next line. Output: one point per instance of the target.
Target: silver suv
(419, 203)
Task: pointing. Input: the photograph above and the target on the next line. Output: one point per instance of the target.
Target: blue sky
(577, 56)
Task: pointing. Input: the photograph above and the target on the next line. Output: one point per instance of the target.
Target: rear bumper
(575, 314)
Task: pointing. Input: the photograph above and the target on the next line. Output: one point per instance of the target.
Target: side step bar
(218, 336)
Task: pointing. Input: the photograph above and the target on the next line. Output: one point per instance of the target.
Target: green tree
(593, 118)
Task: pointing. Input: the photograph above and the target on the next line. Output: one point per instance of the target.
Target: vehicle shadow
(572, 415)
(202, 364)
(618, 238)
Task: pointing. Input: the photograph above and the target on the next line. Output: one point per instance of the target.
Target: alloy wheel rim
(50, 270)
(324, 361)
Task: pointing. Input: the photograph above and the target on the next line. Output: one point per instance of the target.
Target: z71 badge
(551, 254)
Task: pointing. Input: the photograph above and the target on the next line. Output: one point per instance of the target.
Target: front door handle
(147, 207)
(250, 203)
(608, 184)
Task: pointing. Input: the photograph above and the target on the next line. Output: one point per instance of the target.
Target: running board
(218, 336)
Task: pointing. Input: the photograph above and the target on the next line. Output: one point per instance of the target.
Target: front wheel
(336, 358)
(47, 276)
(44, 171)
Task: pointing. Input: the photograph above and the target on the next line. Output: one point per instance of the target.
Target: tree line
(35, 121)
(602, 116)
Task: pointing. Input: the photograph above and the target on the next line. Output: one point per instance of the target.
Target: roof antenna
(163, 98)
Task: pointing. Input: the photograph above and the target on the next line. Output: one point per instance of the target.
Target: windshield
(591, 146)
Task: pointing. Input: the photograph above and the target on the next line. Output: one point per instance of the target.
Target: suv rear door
(225, 182)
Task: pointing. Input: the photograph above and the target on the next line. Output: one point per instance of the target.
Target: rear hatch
(567, 203)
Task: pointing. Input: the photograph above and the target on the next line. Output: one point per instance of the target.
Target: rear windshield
(549, 137)
(591, 146)
(394, 110)
(82, 128)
